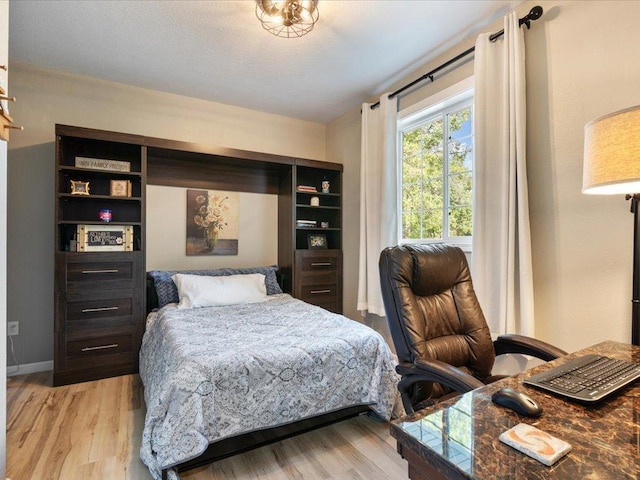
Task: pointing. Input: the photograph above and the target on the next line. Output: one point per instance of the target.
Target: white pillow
(197, 291)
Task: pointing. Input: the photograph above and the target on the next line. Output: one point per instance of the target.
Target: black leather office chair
(439, 331)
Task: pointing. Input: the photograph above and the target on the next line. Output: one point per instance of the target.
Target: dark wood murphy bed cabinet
(99, 295)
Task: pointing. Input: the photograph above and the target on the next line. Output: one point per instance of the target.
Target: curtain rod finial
(535, 13)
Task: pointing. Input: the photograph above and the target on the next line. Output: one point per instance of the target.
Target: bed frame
(248, 441)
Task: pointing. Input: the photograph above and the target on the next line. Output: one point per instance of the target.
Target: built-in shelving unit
(99, 296)
(318, 236)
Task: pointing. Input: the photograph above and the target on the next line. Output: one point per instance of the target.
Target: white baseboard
(13, 370)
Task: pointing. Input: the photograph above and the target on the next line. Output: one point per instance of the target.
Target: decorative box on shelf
(105, 238)
(120, 188)
(306, 223)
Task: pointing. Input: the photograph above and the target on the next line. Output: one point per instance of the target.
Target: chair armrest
(428, 370)
(527, 346)
(405, 368)
(441, 372)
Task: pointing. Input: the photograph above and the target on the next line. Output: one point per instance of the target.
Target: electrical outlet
(13, 328)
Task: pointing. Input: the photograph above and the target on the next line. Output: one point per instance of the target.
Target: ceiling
(217, 50)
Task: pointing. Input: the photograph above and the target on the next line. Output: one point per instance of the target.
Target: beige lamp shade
(612, 153)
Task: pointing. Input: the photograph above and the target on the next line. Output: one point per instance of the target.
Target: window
(436, 172)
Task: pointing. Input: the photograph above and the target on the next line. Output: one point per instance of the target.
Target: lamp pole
(635, 300)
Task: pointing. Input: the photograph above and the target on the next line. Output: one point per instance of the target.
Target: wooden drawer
(327, 304)
(316, 268)
(99, 352)
(315, 261)
(323, 277)
(318, 291)
(83, 273)
(325, 296)
(96, 314)
(116, 307)
(99, 271)
(93, 276)
(93, 347)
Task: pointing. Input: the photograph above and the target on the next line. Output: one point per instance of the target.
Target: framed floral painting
(212, 222)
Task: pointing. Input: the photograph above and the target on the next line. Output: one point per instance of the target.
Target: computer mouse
(517, 401)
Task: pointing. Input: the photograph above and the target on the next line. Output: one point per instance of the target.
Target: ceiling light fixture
(287, 18)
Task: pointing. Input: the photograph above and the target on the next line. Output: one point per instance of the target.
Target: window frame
(437, 106)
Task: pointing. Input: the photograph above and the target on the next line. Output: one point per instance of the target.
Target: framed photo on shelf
(79, 188)
(317, 241)
(120, 188)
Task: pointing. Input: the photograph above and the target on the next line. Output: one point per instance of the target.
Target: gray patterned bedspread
(211, 373)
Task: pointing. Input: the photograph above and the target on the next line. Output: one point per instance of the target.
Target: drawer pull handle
(100, 347)
(315, 292)
(99, 309)
(321, 264)
(115, 270)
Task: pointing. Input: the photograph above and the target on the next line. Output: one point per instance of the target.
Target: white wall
(47, 97)
(581, 63)
(343, 145)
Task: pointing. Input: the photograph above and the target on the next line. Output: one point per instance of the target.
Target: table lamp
(612, 166)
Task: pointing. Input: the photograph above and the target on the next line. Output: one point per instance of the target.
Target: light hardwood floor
(92, 431)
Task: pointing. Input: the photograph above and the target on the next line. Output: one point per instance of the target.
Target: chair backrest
(432, 309)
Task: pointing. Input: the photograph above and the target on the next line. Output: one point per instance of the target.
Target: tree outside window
(437, 175)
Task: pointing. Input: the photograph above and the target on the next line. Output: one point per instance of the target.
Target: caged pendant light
(287, 18)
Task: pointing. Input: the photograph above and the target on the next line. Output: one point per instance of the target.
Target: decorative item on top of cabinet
(99, 269)
(325, 185)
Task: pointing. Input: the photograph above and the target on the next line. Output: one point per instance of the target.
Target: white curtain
(378, 198)
(501, 260)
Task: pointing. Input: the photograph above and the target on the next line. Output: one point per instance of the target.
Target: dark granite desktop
(458, 438)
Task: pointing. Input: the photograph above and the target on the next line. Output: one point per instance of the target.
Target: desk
(458, 438)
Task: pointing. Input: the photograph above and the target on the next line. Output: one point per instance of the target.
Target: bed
(222, 379)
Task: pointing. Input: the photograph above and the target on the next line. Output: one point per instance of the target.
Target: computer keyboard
(589, 378)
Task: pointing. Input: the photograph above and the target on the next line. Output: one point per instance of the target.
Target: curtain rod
(534, 14)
